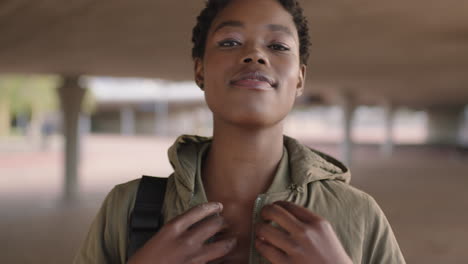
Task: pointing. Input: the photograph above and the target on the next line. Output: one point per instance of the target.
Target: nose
(249, 60)
(255, 56)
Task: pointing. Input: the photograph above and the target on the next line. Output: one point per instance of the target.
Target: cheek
(209, 100)
(215, 67)
(290, 80)
(289, 86)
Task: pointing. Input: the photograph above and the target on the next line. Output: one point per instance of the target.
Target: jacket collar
(305, 165)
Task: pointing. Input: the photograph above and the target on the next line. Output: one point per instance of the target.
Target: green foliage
(89, 103)
(36, 93)
(29, 93)
(9, 85)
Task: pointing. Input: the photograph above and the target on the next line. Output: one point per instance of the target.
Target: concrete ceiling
(411, 52)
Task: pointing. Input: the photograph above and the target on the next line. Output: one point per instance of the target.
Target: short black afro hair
(213, 7)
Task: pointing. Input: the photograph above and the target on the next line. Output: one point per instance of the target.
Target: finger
(215, 250)
(282, 217)
(274, 255)
(301, 213)
(182, 222)
(275, 237)
(206, 228)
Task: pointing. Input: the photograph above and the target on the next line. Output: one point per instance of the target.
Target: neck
(241, 163)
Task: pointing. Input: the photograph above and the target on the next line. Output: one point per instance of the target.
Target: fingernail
(218, 205)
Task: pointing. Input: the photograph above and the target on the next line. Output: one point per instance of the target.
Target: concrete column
(161, 118)
(127, 121)
(85, 124)
(388, 143)
(444, 125)
(349, 107)
(71, 96)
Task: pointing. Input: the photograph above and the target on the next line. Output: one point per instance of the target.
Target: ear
(301, 81)
(199, 72)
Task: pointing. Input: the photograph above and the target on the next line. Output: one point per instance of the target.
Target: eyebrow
(236, 23)
(229, 23)
(281, 28)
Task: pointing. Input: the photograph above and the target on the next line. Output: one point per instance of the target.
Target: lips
(254, 80)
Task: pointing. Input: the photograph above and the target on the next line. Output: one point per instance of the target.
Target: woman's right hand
(182, 240)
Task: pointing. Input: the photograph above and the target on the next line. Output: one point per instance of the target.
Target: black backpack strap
(146, 218)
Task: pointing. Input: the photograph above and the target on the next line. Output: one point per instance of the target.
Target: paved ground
(422, 191)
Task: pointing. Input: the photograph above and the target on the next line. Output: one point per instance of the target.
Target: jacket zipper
(253, 257)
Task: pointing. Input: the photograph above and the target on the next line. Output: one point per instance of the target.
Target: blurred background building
(92, 93)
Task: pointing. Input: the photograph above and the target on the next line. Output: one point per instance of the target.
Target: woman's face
(251, 69)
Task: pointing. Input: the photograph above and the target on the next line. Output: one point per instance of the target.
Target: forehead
(255, 14)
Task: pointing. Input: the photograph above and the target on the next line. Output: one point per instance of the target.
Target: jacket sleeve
(381, 246)
(102, 242)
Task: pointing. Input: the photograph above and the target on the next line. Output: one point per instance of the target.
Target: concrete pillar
(161, 118)
(127, 121)
(85, 124)
(388, 143)
(444, 125)
(71, 96)
(348, 105)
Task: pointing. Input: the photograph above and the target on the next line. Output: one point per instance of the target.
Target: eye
(279, 47)
(228, 43)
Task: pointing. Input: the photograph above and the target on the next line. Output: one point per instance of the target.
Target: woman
(255, 195)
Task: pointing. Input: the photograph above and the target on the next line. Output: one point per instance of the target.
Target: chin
(254, 120)
(248, 117)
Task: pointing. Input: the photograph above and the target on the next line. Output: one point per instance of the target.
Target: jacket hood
(309, 165)
(306, 165)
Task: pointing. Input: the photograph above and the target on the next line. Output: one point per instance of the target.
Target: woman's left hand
(303, 238)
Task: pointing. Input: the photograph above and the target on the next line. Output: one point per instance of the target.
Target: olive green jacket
(304, 176)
